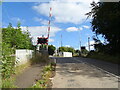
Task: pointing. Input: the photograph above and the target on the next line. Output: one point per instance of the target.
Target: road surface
(76, 72)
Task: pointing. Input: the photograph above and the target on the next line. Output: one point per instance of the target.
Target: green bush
(12, 39)
(48, 68)
(40, 84)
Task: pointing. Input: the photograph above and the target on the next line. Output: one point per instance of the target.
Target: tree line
(51, 50)
(105, 22)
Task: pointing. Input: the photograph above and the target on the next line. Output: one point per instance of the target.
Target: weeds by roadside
(19, 69)
(104, 57)
(9, 82)
(47, 73)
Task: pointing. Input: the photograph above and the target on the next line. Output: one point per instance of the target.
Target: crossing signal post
(43, 43)
(42, 40)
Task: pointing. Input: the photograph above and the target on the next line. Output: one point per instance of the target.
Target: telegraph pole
(80, 45)
(89, 43)
(58, 49)
(79, 40)
(61, 40)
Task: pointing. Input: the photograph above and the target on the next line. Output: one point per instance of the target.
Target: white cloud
(80, 28)
(72, 29)
(42, 30)
(42, 21)
(67, 45)
(37, 19)
(38, 31)
(87, 27)
(64, 11)
(16, 19)
(51, 40)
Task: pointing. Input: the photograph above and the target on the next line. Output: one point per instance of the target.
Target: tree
(105, 21)
(70, 49)
(51, 49)
(84, 52)
(62, 49)
(77, 51)
(66, 49)
(16, 38)
(12, 38)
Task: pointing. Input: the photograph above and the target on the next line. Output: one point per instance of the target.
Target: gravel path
(28, 77)
(80, 75)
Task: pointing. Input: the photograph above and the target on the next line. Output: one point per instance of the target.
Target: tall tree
(51, 49)
(105, 21)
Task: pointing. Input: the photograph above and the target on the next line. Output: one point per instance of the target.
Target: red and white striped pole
(49, 22)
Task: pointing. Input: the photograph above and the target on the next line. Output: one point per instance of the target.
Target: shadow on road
(80, 69)
(109, 67)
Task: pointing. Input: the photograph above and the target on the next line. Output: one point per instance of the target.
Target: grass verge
(19, 69)
(9, 82)
(47, 73)
(104, 57)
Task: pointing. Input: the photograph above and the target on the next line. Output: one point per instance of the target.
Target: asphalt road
(106, 66)
(77, 72)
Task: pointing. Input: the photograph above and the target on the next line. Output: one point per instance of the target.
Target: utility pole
(80, 45)
(58, 49)
(89, 43)
(79, 40)
(61, 40)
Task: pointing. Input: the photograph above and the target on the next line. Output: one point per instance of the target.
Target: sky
(68, 20)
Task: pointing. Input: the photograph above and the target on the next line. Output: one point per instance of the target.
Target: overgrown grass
(19, 69)
(9, 82)
(40, 58)
(47, 73)
(37, 58)
(104, 57)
